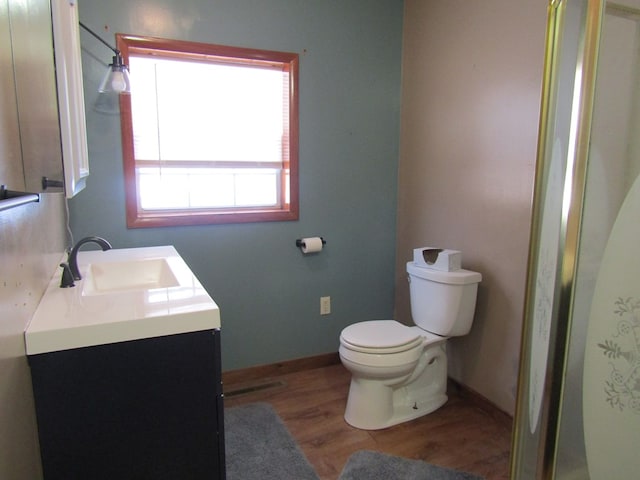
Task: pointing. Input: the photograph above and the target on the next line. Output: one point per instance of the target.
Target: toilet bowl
(395, 383)
(399, 373)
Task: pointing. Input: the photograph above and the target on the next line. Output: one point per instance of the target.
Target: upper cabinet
(42, 109)
(73, 129)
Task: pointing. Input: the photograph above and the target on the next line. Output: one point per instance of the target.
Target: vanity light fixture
(116, 80)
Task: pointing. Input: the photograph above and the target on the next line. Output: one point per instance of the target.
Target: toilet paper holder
(300, 242)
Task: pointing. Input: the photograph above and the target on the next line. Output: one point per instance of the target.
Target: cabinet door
(66, 37)
(144, 409)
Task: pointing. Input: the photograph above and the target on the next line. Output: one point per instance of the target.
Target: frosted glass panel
(596, 339)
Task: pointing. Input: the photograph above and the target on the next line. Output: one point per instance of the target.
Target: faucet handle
(67, 277)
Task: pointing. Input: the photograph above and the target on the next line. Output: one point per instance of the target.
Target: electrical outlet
(325, 305)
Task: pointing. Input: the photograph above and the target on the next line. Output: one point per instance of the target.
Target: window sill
(165, 219)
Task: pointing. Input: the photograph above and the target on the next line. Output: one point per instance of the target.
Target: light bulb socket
(117, 62)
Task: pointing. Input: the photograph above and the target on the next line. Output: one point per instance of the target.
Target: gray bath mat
(367, 465)
(259, 446)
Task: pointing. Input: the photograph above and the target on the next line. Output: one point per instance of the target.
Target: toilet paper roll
(311, 245)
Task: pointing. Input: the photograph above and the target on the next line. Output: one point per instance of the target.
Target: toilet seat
(380, 337)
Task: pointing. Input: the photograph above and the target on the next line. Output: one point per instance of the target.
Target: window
(209, 133)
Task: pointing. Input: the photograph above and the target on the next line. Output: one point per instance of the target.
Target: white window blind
(214, 134)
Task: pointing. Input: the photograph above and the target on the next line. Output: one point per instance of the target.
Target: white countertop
(75, 317)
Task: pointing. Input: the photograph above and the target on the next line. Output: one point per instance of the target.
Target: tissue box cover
(437, 258)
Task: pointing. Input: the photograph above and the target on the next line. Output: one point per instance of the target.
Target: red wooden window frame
(136, 218)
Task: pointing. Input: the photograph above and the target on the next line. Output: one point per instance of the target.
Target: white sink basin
(124, 294)
(143, 274)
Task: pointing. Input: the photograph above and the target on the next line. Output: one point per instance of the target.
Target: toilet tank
(443, 302)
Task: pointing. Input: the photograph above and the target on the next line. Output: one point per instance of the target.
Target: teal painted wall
(268, 292)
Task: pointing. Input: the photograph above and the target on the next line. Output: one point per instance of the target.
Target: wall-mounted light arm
(116, 80)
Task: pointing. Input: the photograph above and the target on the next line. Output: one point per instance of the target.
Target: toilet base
(375, 403)
(384, 412)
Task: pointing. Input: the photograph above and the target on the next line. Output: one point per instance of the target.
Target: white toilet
(398, 372)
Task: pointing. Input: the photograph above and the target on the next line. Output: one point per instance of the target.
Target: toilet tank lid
(456, 277)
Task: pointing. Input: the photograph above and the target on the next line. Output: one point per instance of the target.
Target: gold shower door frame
(572, 41)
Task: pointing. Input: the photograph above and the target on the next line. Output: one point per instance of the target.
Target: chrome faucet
(73, 253)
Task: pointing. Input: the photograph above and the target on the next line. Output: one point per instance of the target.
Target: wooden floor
(465, 433)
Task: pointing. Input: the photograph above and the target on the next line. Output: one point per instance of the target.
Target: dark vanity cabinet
(142, 409)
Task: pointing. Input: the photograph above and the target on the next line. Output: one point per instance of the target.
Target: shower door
(578, 412)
